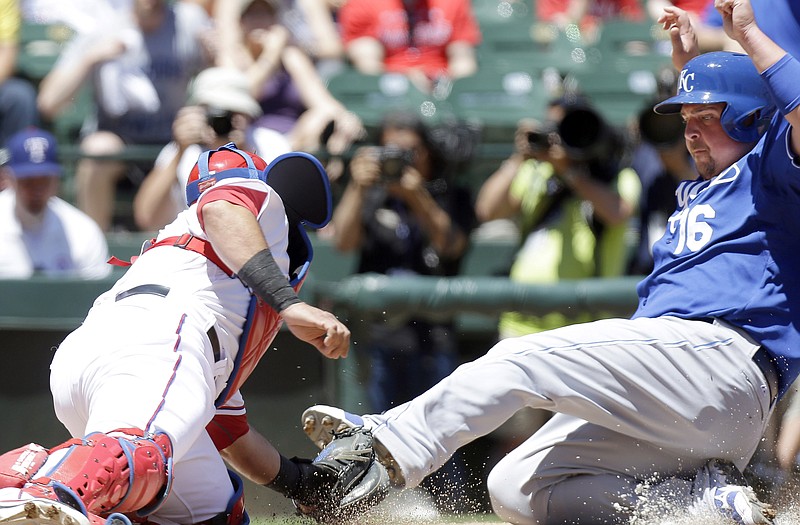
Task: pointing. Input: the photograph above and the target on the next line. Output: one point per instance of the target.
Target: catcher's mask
(213, 166)
(297, 177)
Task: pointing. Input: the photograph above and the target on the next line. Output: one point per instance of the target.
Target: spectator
(573, 203)
(40, 233)
(81, 16)
(311, 23)
(17, 96)
(297, 106)
(404, 219)
(662, 161)
(588, 15)
(139, 69)
(426, 39)
(220, 110)
(314, 26)
(694, 8)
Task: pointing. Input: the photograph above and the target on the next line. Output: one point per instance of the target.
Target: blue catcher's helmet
(722, 76)
(226, 161)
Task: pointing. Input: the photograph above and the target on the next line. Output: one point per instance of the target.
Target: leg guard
(129, 473)
(18, 466)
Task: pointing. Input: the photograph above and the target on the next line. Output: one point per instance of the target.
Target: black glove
(355, 480)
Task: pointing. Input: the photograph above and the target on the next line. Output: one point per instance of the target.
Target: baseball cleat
(320, 422)
(40, 512)
(720, 486)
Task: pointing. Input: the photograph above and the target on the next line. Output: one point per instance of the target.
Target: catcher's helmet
(226, 161)
(722, 76)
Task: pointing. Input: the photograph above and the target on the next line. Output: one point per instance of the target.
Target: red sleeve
(357, 19)
(246, 197)
(465, 26)
(225, 429)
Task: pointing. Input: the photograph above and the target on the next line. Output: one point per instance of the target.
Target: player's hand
(737, 17)
(681, 33)
(318, 328)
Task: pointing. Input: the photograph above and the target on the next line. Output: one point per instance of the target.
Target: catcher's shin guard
(124, 471)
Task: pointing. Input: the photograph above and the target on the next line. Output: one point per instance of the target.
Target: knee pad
(18, 466)
(121, 472)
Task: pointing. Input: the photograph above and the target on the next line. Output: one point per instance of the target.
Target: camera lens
(660, 130)
(580, 129)
(220, 120)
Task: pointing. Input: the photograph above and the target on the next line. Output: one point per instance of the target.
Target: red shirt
(437, 23)
(598, 9)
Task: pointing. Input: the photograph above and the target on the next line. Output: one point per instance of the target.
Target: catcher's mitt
(359, 480)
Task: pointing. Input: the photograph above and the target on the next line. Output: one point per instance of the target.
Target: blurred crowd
(167, 80)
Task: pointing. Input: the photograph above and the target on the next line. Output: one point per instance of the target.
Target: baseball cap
(32, 152)
(226, 89)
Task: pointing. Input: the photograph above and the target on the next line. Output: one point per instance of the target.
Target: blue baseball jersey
(731, 251)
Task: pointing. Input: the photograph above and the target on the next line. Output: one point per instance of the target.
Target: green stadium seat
(498, 101)
(618, 96)
(525, 45)
(627, 46)
(39, 47)
(371, 96)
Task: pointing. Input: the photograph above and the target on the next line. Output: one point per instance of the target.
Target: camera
(540, 139)
(393, 160)
(662, 131)
(586, 136)
(220, 120)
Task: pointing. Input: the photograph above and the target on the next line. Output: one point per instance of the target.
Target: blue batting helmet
(722, 76)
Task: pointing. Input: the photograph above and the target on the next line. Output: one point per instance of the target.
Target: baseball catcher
(149, 384)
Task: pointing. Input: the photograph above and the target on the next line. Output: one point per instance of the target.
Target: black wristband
(262, 275)
(287, 481)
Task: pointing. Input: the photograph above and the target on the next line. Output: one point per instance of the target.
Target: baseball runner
(149, 384)
(682, 391)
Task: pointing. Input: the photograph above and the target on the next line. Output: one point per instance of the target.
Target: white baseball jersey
(146, 360)
(63, 242)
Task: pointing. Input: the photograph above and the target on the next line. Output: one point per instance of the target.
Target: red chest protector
(303, 186)
(262, 322)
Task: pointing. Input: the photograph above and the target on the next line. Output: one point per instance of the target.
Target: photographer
(662, 161)
(404, 217)
(572, 197)
(573, 201)
(220, 110)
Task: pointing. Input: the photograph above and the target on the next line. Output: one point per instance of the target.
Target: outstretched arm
(236, 237)
(777, 67)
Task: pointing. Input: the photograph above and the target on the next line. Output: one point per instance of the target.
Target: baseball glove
(359, 481)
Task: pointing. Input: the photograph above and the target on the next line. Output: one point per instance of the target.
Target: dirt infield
(415, 508)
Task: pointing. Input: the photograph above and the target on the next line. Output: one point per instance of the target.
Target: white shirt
(65, 242)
